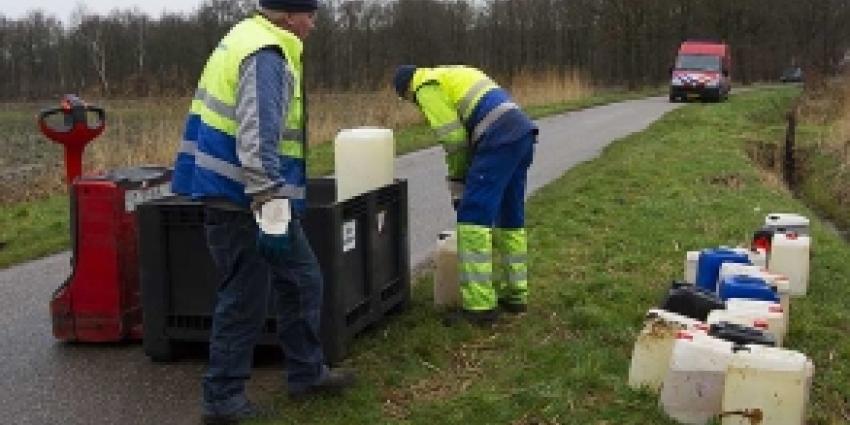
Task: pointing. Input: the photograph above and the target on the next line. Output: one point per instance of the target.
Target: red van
(703, 70)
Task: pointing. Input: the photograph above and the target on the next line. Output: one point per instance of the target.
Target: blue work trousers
(241, 308)
(494, 194)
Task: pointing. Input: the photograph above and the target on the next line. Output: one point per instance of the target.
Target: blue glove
(273, 218)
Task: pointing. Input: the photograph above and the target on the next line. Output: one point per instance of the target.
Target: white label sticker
(382, 217)
(349, 235)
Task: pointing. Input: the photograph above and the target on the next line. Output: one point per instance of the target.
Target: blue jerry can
(709, 263)
(749, 287)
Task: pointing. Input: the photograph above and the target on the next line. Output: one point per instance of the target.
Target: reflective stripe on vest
(464, 86)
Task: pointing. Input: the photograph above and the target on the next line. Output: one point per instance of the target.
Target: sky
(15, 9)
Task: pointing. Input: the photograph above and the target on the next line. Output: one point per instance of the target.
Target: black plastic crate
(362, 245)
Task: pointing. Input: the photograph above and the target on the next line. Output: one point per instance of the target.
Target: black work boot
(333, 382)
(246, 413)
(480, 318)
(513, 308)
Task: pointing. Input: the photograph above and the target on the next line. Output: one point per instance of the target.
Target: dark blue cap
(290, 5)
(401, 81)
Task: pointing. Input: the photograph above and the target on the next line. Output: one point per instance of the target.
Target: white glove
(274, 216)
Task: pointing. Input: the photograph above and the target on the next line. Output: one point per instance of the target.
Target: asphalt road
(47, 382)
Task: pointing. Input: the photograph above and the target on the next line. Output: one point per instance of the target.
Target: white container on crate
(364, 159)
(787, 222)
(692, 392)
(770, 322)
(767, 383)
(789, 256)
(774, 313)
(691, 263)
(654, 344)
(446, 286)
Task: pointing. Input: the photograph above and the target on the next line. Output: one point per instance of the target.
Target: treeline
(358, 42)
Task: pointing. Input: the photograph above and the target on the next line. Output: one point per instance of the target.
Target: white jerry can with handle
(692, 392)
(653, 346)
(766, 385)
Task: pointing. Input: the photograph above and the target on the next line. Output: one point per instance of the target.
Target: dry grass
(827, 103)
(548, 88)
(148, 131)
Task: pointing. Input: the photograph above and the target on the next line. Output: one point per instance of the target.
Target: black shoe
(246, 413)
(513, 308)
(334, 381)
(480, 318)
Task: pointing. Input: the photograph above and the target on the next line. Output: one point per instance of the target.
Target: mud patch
(731, 181)
(765, 154)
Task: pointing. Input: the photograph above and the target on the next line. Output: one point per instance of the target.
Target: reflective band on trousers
(516, 258)
(475, 257)
(215, 165)
(491, 118)
(518, 276)
(465, 105)
(216, 105)
(468, 277)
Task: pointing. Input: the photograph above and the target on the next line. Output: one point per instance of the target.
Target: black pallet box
(362, 245)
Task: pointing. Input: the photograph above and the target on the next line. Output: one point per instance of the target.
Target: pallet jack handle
(75, 132)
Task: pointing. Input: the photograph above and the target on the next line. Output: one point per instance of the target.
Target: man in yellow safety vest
(243, 156)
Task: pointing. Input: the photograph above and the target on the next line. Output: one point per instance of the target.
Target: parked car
(792, 75)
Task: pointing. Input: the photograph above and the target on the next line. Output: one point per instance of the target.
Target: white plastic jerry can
(692, 392)
(772, 312)
(364, 160)
(787, 222)
(691, 262)
(789, 256)
(654, 344)
(769, 322)
(446, 286)
(758, 257)
(766, 385)
(783, 289)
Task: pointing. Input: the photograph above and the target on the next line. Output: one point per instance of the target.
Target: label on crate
(349, 235)
(381, 218)
(132, 198)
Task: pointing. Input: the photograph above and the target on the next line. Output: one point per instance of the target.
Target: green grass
(33, 229)
(606, 239)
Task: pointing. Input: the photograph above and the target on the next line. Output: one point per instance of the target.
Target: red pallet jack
(100, 301)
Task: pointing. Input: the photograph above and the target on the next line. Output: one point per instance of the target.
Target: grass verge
(606, 240)
(32, 229)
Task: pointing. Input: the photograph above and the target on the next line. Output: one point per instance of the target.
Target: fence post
(790, 136)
